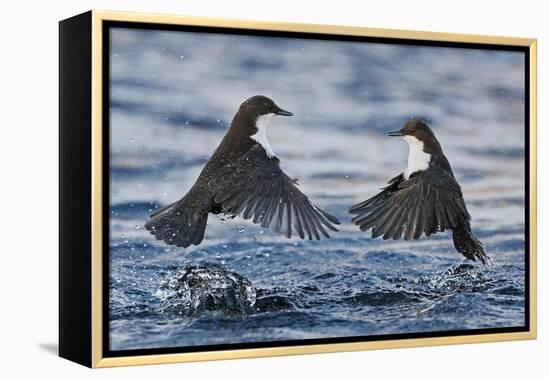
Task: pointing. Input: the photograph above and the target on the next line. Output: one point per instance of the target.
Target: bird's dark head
(252, 118)
(415, 132)
(414, 128)
(259, 105)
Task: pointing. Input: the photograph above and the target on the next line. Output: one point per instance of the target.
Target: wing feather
(426, 203)
(256, 188)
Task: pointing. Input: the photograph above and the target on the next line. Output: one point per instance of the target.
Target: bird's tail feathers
(467, 244)
(178, 224)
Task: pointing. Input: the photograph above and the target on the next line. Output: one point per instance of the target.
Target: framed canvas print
(236, 189)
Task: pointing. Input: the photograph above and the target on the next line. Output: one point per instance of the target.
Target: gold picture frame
(93, 357)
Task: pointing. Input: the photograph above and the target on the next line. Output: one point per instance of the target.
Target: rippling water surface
(173, 96)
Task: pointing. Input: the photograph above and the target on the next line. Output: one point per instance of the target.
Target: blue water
(173, 96)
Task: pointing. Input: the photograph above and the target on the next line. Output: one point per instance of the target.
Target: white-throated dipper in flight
(424, 199)
(243, 176)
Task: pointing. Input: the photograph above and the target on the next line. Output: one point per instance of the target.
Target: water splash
(193, 291)
(461, 278)
(464, 277)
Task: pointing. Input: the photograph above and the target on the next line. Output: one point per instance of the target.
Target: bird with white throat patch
(243, 177)
(424, 199)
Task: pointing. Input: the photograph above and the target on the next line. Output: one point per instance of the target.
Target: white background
(29, 189)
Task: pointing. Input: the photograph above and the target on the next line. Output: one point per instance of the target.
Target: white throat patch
(261, 135)
(418, 159)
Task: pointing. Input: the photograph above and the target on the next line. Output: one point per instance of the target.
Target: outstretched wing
(428, 202)
(256, 188)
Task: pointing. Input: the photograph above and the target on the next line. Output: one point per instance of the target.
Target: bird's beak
(282, 112)
(394, 133)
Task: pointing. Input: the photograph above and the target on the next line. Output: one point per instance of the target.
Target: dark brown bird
(424, 199)
(243, 177)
